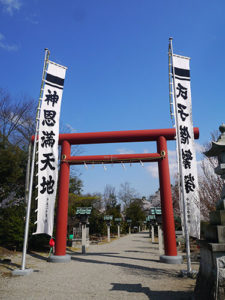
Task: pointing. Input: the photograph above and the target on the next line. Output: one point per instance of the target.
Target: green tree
(12, 173)
(96, 217)
(17, 122)
(109, 196)
(126, 194)
(135, 212)
(115, 212)
(12, 223)
(75, 186)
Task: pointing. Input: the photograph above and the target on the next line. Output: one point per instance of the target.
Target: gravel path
(126, 268)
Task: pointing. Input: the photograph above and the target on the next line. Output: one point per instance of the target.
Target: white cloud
(125, 151)
(6, 46)
(198, 147)
(32, 19)
(153, 167)
(145, 150)
(71, 129)
(10, 6)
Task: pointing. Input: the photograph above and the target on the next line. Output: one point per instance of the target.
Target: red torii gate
(161, 136)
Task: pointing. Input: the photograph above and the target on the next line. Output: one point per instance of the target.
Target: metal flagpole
(174, 120)
(23, 271)
(28, 174)
(180, 168)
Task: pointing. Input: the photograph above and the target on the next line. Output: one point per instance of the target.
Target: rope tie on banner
(123, 165)
(85, 165)
(104, 167)
(141, 163)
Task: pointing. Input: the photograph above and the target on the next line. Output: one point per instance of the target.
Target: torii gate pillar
(62, 208)
(170, 256)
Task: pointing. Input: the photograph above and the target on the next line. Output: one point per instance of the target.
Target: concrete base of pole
(193, 274)
(18, 272)
(59, 258)
(171, 259)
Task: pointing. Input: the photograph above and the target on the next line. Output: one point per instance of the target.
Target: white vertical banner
(48, 147)
(185, 140)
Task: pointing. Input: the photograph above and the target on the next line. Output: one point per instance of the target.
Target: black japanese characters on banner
(48, 141)
(182, 96)
(48, 147)
(47, 185)
(189, 183)
(185, 136)
(52, 98)
(186, 158)
(49, 117)
(182, 91)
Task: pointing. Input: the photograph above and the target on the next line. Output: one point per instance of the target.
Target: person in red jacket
(52, 246)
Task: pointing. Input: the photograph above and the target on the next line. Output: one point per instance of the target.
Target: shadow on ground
(38, 256)
(108, 254)
(7, 264)
(152, 295)
(135, 251)
(155, 273)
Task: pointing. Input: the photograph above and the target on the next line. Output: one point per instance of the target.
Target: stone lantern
(83, 213)
(129, 223)
(118, 221)
(218, 149)
(108, 220)
(210, 282)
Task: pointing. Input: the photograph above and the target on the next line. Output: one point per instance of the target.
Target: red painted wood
(62, 208)
(120, 136)
(166, 201)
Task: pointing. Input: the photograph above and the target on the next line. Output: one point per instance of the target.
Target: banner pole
(28, 173)
(174, 119)
(32, 166)
(180, 168)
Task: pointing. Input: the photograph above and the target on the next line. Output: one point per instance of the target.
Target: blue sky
(117, 78)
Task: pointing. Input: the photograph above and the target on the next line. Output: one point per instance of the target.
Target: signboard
(152, 210)
(118, 219)
(108, 218)
(158, 211)
(83, 210)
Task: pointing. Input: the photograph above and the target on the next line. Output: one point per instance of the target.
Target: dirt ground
(126, 268)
